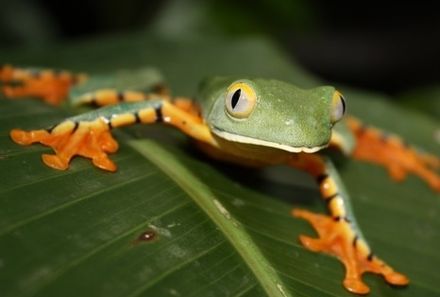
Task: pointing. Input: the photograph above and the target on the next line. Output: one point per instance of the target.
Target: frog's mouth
(250, 140)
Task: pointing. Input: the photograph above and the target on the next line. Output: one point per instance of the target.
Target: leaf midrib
(208, 202)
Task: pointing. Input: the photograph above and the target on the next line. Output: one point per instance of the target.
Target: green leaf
(218, 230)
(426, 99)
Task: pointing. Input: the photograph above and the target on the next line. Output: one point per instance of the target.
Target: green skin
(284, 115)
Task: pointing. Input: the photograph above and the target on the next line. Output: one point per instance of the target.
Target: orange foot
(389, 151)
(51, 86)
(335, 238)
(68, 139)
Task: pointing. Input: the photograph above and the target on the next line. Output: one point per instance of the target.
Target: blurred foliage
(351, 42)
(29, 23)
(76, 232)
(425, 99)
(198, 17)
(26, 23)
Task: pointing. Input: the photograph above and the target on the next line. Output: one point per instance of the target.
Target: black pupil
(343, 104)
(235, 98)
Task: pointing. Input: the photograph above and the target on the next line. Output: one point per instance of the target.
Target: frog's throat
(249, 140)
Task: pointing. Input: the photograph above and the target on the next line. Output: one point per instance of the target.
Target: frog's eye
(338, 107)
(240, 100)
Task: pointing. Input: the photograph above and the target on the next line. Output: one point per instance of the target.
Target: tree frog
(250, 121)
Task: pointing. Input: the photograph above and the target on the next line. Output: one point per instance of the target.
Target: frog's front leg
(375, 146)
(88, 135)
(49, 85)
(338, 233)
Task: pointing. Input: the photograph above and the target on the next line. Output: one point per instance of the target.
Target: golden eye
(338, 107)
(240, 100)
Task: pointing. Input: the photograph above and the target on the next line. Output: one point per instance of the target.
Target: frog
(249, 121)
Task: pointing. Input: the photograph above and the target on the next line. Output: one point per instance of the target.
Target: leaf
(426, 99)
(218, 230)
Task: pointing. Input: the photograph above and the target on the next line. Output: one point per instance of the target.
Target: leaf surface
(217, 230)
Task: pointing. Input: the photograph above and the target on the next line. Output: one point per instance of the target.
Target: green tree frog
(250, 121)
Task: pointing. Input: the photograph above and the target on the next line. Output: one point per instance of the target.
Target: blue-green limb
(105, 97)
(339, 235)
(88, 135)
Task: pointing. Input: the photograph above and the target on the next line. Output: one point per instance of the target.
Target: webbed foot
(391, 152)
(335, 238)
(49, 85)
(68, 139)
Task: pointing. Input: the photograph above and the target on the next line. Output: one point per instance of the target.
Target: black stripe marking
(137, 117)
(120, 96)
(109, 123)
(75, 127)
(370, 256)
(50, 129)
(329, 198)
(321, 178)
(339, 218)
(159, 115)
(355, 240)
(94, 102)
(160, 89)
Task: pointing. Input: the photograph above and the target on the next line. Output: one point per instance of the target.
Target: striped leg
(88, 135)
(338, 233)
(391, 152)
(49, 85)
(104, 97)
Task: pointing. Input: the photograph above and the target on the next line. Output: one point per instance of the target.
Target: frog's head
(273, 113)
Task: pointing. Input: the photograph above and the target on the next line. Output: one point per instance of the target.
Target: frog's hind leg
(104, 97)
(390, 151)
(338, 233)
(49, 85)
(88, 135)
(112, 96)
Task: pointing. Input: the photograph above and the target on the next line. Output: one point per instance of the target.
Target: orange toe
(20, 137)
(356, 286)
(396, 279)
(337, 238)
(389, 151)
(55, 162)
(89, 139)
(310, 243)
(104, 163)
(108, 143)
(26, 138)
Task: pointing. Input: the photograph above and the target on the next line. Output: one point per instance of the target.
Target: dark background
(387, 46)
